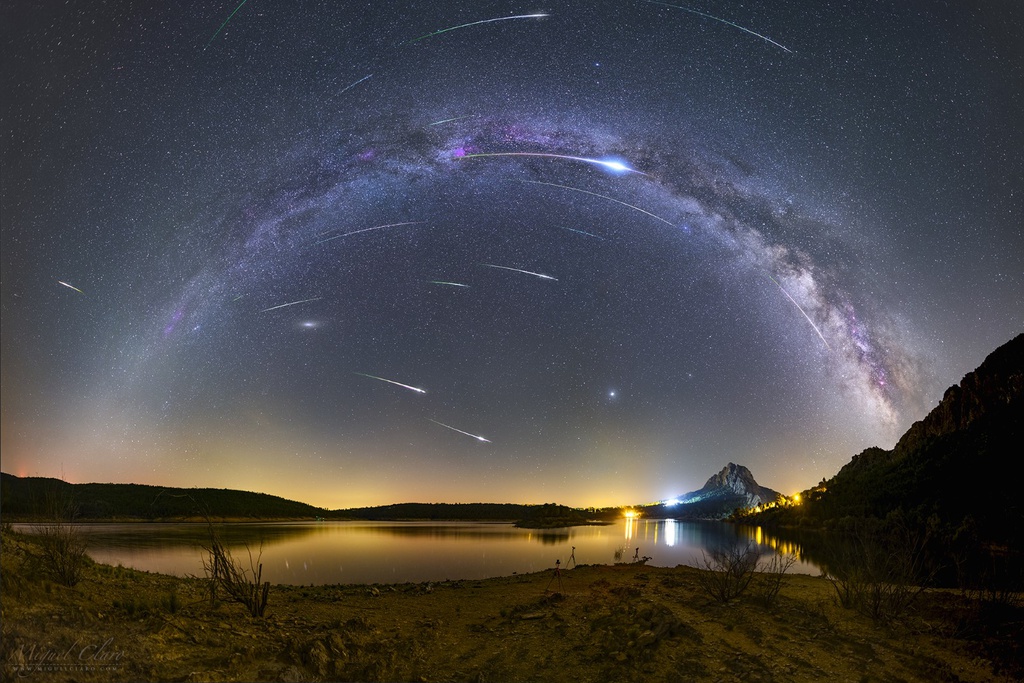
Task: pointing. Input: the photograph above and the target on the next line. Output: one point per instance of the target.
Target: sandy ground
(594, 623)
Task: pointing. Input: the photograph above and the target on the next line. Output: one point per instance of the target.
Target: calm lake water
(306, 553)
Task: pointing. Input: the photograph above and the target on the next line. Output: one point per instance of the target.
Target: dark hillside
(955, 466)
(27, 498)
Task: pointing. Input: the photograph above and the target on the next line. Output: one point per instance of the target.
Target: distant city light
(671, 502)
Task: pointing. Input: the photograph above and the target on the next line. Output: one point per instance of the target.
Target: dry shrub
(727, 571)
(879, 576)
(62, 544)
(244, 586)
(771, 576)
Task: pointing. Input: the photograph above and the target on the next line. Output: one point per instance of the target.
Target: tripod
(557, 575)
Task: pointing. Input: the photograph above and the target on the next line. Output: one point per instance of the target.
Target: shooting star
(456, 118)
(475, 23)
(61, 282)
(225, 23)
(376, 227)
(602, 196)
(799, 308)
(293, 303)
(724, 21)
(609, 164)
(391, 381)
(518, 270)
(352, 85)
(582, 232)
(478, 438)
(445, 282)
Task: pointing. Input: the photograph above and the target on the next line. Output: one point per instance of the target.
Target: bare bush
(880, 576)
(61, 542)
(728, 571)
(771, 576)
(244, 586)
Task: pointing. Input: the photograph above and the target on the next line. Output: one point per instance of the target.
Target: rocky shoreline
(589, 623)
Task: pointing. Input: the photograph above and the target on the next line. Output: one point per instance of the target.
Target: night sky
(334, 252)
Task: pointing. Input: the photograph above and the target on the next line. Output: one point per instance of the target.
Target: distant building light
(671, 502)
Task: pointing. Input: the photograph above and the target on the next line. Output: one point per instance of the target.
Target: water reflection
(393, 552)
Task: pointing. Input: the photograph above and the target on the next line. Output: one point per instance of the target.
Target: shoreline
(601, 622)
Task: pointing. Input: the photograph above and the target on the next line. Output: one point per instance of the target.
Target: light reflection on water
(303, 553)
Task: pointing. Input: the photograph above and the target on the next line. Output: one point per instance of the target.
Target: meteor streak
(391, 381)
(582, 232)
(225, 23)
(802, 311)
(517, 270)
(352, 85)
(444, 282)
(724, 21)
(376, 227)
(595, 194)
(611, 165)
(61, 282)
(478, 438)
(475, 23)
(456, 118)
(293, 303)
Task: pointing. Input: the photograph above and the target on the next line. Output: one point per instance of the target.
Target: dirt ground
(592, 623)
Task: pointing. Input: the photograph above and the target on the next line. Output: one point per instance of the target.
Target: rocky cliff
(988, 390)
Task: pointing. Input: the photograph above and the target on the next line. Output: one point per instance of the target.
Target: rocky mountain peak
(735, 483)
(736, 478)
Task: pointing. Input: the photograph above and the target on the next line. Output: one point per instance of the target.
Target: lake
(303, 553)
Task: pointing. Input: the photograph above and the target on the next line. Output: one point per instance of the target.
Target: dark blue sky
(824, 232)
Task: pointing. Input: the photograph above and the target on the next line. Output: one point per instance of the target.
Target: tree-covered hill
(33, 498)
(953, 467)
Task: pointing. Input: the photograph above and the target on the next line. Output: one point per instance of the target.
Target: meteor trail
(611, 165)
(517, 270)
(724, 21)
(582, 232)
(456, 118)
(225, 23)
(293, 303)
(352, 85)
(61, 282)
(444, 282)
(376, 227)
(478, 438)
(595, 194)
(475, 23)
(802, 311)
(391, 381)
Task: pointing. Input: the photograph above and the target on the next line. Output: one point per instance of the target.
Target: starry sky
(578, 252)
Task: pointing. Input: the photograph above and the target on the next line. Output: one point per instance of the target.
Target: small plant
(171, 603)
(728, 571)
